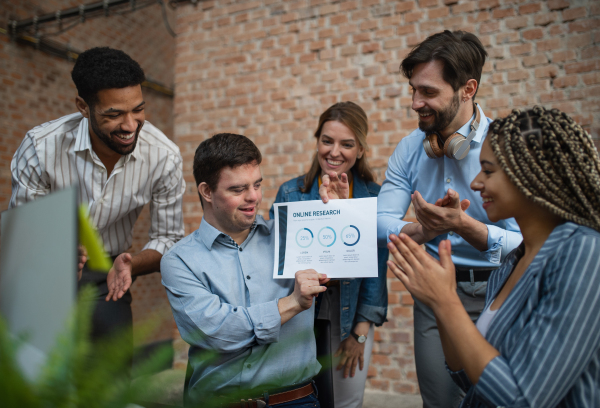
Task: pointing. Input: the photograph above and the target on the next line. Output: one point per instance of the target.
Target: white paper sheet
(338, 238)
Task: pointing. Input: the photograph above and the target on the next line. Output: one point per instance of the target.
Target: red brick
(584, 25)
(521, 49)
(558, 4)
(565, 81)
(562, 56)
(549, 71)
(530, 8)
(585, 66)
(573, 14)
(533, 34)
(515, 23)
(545, 18)
(503, 13)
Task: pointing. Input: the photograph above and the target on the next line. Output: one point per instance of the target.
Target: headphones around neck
(456, 146)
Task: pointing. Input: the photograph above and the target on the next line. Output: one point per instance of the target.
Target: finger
(464, 204)
(438, 202)
(342, 362)
(445, 252)
(409, 252)
(323, 193)
(347, 367)
(399, 273)
(333, 177)
(338, 352)
(361, 361)
(401, 263)
(353, 366)
(454, 201)
(344, 178)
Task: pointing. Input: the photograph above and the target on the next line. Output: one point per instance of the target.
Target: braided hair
(551, 160)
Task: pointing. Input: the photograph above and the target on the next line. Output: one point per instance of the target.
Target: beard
(442, 118)
(108, 141)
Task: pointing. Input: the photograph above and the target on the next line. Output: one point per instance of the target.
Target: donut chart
(304, 238)
(327, 236)
(350, 235)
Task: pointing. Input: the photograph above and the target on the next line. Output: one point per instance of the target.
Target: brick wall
(268, 68)
(36, 87)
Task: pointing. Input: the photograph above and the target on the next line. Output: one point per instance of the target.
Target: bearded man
(119, 167)
(433, 168)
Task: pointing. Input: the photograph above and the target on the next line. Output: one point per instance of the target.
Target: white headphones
(456, 146)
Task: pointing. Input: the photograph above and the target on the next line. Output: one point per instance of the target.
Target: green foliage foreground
(76, 373)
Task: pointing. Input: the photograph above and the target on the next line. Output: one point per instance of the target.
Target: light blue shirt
(410, 170)
(224, 300)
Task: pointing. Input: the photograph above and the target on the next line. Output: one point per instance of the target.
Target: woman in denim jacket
(352, 305)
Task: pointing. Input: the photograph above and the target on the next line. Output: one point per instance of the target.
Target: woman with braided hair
(537, 342)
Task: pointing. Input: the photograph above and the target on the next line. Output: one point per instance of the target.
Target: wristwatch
(361, 339)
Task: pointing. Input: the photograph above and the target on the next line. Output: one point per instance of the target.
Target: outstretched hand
(334, 187)
(431, 281)
(119, 277)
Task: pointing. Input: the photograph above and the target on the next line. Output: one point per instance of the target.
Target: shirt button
(451, 233)
(249, 366)
(451, 252)
(240, 249)
(448, 180)
(247, 276)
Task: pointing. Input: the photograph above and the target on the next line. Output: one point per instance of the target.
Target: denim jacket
(361, 299)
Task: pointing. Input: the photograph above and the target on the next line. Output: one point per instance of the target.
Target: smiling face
(337, 148)
(434, 100)
(116, 120)
(501, 198)
(233, 205)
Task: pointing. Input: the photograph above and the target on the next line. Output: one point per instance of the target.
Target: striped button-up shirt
(548, 329)
(59, 154)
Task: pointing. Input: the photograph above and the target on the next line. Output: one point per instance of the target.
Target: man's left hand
(334, 187)
(119, 277)
(444, 216)
(352, 354)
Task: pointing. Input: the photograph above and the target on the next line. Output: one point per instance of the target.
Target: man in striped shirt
(119, 167)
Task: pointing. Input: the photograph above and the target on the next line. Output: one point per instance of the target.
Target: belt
(473, 274)
(274, 399)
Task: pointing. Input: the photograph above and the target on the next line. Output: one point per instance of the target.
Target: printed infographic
(338, 238)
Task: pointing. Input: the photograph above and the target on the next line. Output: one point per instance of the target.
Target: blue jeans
(310, 401)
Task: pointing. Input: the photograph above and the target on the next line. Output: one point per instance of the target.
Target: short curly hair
(104, 68)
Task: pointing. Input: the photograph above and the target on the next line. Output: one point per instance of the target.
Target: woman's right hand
(334, 187)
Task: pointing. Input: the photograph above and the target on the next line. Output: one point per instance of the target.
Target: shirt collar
(209, 234)
(83, 140)
(481, 130)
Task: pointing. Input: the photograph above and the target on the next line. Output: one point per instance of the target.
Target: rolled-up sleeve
(560, 339)
(372, 296)
(501, 241)
(206, 322)
(393, 200)
(27, 174)
(166, 214)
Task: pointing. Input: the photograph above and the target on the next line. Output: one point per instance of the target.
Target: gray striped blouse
(548, 329)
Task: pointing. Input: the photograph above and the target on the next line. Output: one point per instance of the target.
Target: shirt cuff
(495, 244)
(266, 321)
(460, 378)
(395, 229)
(497, 384)
(161, 245)
(367, 313)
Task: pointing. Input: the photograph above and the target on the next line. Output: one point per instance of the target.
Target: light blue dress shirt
(224, 300)
(410, 170)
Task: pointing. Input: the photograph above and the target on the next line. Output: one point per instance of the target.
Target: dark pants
(108, 318)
